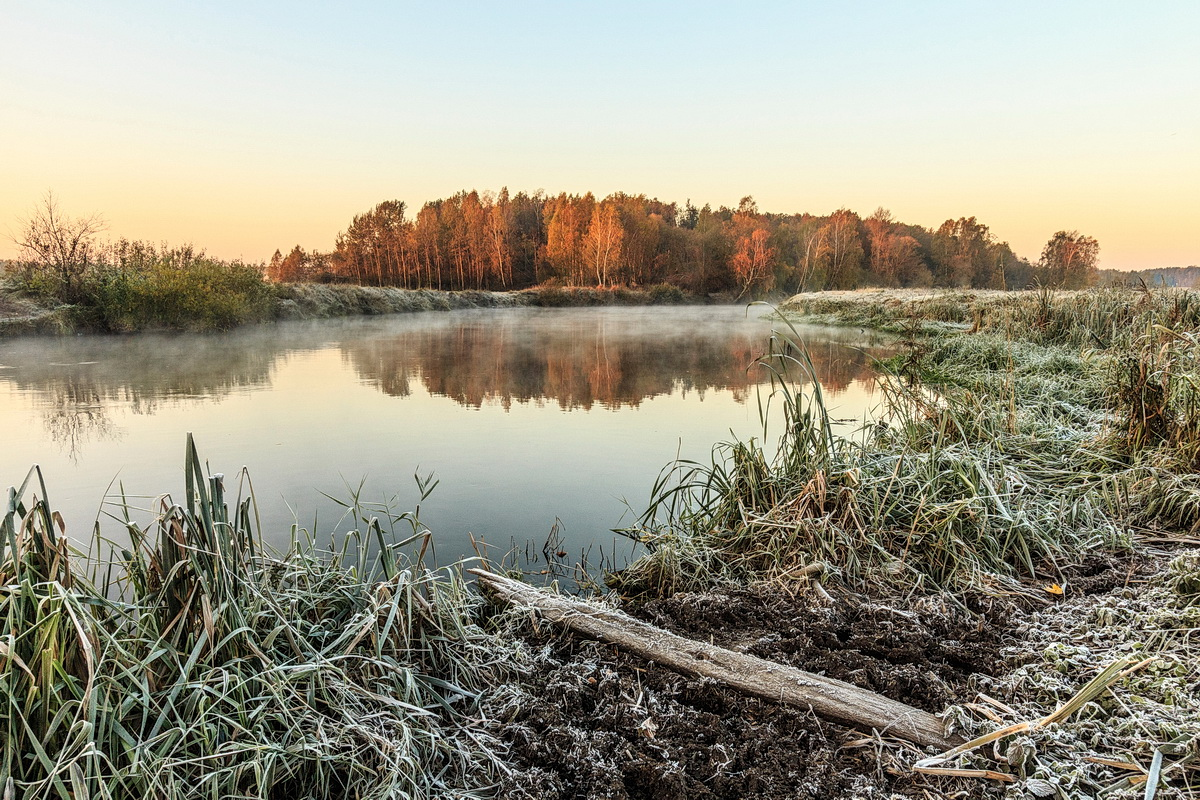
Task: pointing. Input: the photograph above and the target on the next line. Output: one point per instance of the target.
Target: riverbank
(934, 311)
(1015, 526)
(22, 315)
(591, 722)
(319, 301)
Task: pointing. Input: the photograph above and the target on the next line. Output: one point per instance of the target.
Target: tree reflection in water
(592, 361)
(77, 381)
(75, 415)
(526, 415)
(577, 359)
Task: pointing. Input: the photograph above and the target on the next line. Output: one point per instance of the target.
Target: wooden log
(833, 699)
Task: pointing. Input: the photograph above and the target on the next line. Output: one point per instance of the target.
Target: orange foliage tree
(753, 262)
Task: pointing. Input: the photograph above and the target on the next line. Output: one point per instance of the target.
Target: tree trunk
(835, 700)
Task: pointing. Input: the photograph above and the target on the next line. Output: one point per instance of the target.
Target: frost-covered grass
(980, 467)
(313, 300)
(1108, 747)
(997, 454)
(192, 662)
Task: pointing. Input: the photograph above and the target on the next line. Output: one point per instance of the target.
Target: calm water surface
(527, 417)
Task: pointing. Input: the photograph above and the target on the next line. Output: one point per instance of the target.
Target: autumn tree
(1018, 272)
(473, 237)
(961, 256)
(497, 228)
(428, 240)
(602, 242)
(275, 267)
(707, 250)
(842, 255)
(289, 268)
(567, 219)
(691, 216)
(879, 228)
(1069, 260)
(299, 266)
(748, 206)
(456, 239)
(373, 248)
(899, 259)
(753, 262)
(527, 238)
(644, 247)
(485, 240)
(801, 243)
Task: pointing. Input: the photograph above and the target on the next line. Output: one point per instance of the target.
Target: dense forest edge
(1018, 521)
(497, 241)
(549, 250)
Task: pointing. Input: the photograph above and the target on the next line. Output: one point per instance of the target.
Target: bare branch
(58, 247)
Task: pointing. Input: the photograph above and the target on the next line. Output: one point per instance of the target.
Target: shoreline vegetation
(1020, 521)
(21, 315)
(486, 249)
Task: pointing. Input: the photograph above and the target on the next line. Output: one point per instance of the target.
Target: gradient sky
(247, 126)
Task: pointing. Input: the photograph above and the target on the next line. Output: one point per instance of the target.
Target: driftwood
(835, 700)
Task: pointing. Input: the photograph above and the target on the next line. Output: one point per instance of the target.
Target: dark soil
(1100, 572)
(596, 723)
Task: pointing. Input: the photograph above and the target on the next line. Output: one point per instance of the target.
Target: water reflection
(76, 381)
(74, 415)
(532, 419)
(585, 362)
(575, 359)
(145, 369)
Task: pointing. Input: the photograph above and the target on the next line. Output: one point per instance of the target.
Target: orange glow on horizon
(227, 130)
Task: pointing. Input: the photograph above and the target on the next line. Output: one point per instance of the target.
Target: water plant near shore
(194, 662)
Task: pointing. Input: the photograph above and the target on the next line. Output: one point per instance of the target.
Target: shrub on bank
(129, 286)
(552, 295)
(662, 294)
(200, 294)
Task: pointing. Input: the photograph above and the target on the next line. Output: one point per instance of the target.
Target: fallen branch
(835, 700)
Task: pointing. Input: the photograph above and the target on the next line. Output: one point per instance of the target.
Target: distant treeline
(477, 240)
(1182, 277)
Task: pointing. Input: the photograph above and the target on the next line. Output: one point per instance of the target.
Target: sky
(243, 127)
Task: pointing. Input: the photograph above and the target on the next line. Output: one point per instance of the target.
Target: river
(531, 420)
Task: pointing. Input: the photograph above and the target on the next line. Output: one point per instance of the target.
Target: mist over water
(527, 417)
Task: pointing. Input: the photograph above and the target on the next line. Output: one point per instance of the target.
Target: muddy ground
(595, 723)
